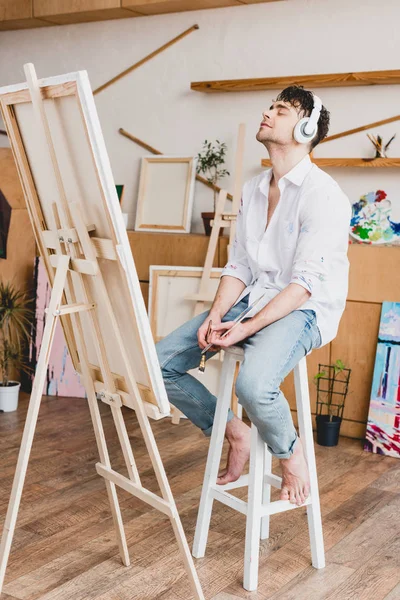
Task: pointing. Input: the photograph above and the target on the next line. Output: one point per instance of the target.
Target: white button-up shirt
(306, 242)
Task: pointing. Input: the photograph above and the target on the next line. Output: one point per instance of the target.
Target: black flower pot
(328, 431)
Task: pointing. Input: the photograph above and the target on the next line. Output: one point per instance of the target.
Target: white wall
(155, 102)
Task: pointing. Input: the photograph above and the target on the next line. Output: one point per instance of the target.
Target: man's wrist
(255, 323)
(215, 313)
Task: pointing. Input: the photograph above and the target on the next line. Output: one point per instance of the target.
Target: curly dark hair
(298, 97)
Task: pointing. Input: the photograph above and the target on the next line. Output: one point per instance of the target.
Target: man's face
(278, 123)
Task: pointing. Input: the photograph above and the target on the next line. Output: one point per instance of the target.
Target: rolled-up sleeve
(323, 239)
(238, 264)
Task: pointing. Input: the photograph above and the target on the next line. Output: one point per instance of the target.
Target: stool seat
(260, 478)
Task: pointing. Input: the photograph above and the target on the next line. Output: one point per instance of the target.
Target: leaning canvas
(166, 192)
(383, 427)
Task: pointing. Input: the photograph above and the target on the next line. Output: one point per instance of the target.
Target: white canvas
(166, 193)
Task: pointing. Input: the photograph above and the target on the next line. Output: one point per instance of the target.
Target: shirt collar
(296, 175)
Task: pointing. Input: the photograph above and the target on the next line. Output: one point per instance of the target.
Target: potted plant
(332, 383)
(210, 161)
(15, 324)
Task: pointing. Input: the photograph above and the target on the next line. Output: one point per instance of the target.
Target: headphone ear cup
(298, 131)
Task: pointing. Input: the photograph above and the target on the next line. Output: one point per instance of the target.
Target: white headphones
(307, 128)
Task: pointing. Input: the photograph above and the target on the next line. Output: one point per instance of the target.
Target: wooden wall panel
(355, 344)
(79, 11)
(21, 251)
(18, 14)
(374, 273)
(153, 7)
(175, 249)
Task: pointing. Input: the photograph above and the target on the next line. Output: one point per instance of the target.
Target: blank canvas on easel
(73, 204)
(166, 191)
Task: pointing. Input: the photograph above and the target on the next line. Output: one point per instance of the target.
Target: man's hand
(239, 333)
(203, 329)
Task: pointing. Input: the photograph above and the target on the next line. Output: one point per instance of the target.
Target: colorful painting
(61, 380)
(383, 427)
(371, 220)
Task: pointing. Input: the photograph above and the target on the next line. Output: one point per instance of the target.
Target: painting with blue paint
(371, 220)
(383, 426)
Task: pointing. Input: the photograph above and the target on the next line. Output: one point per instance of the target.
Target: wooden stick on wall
(155, 151)
(361, 128)
(145, 59)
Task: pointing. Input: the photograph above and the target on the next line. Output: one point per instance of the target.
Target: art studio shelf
(312, 81)
(348, 162)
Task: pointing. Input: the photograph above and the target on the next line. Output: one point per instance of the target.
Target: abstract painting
(371, 220)
(383, 426)
(61, 380)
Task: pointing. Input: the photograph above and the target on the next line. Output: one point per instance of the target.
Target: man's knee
(254, 391)
(165, 351)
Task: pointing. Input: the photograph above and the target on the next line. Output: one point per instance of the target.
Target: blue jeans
(269, 355)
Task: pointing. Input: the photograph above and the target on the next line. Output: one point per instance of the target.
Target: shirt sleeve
(323, 239)
(238, 264)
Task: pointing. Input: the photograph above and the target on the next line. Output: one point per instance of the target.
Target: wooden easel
(221, 219)
(75, 259)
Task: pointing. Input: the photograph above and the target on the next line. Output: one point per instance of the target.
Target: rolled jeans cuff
(290, 451)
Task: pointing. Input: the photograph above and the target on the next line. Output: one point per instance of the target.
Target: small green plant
(210, 161)
(338, 367)
(16, 317)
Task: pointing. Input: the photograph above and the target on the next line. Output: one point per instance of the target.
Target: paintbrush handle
(236, 321)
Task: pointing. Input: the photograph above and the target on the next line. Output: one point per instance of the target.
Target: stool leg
(254, 504)
(266, 493)
(306, 434)
(214, 456)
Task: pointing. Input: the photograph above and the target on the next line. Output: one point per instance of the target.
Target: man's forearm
(228, 292)
(289, 299)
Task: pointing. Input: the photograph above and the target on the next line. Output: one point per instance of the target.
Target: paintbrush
(236, 321)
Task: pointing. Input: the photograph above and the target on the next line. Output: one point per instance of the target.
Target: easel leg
(32, 415)
(103, 454)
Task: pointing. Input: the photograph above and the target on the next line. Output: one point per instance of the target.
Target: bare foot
(295, 476)
(238, 435)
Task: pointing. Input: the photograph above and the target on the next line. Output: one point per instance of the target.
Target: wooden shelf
(25, 14)
(348, 162)
(312, 81)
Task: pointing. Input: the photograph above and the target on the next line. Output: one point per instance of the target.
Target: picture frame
(166, 193)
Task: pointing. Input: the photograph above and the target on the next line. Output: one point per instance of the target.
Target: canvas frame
(146, 203)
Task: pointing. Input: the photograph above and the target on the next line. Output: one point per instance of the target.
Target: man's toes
(284, 494)
(292, 496)
(222, 473)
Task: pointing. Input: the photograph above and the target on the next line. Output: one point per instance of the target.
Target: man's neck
(283, 159)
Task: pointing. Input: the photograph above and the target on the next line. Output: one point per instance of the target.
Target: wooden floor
(64, 547)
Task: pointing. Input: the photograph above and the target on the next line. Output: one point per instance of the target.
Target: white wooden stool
(258, 507)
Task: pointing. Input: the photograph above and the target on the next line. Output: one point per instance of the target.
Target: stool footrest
(243, 481)
(229, 500)
(272, 508)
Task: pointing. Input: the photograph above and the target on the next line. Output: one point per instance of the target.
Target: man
(291, 248)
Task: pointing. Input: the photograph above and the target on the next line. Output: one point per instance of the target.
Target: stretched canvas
(383, 427)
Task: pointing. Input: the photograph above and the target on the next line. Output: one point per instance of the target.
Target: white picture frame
(166, 193)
